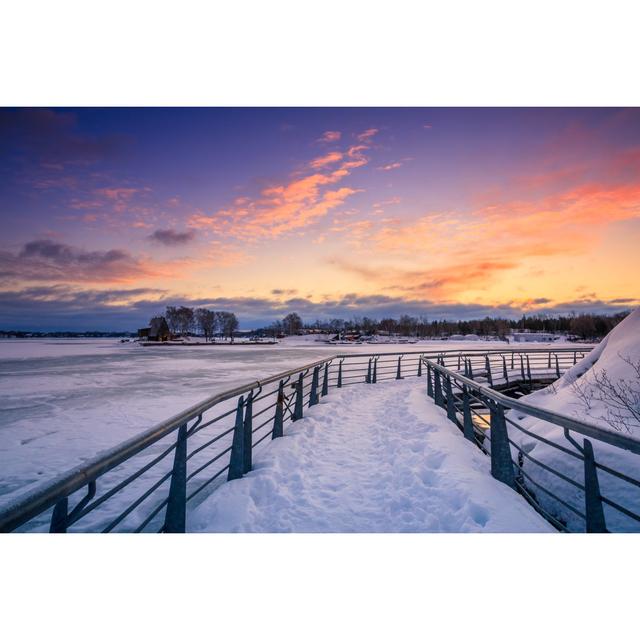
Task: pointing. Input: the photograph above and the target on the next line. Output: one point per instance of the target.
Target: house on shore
(157, 331)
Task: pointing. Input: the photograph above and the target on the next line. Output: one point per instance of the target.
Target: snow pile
(377, 458)
(603, 389)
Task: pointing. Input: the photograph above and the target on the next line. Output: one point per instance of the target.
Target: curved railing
(147, 482)
(493, 420)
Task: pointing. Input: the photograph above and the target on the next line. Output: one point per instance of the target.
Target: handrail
(459, 396)
(583, 427)
(48, 494)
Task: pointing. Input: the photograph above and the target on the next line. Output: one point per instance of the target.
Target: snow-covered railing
(147, 482)
(492, 420)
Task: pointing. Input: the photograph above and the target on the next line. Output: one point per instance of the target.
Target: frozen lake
(64, 400)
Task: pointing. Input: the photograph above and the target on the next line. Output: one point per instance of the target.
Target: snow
(564, 397)
(377, 458)
(62, 401)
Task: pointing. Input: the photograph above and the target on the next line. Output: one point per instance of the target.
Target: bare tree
(206, 320)
(292, 324)
(228, 323)
(620, 397)
(185, 320)
(172, 316)
(388, 324)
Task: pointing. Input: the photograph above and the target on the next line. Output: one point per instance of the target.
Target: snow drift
(604, 389)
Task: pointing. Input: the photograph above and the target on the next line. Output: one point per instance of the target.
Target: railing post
(248, 434)
(313, 395)
(575, 357)
(470, 370)
(504, 370)
(557, 366)
(467, 425)
(399, 371)
(501, 463)
(593, 501)
(420, 366)
(438, 389)
(59, 517)
(488, 366)
(298, 411)
(375, 370)
(236, 461)
(368, 376)
(325, 380)
(512, 361)
(278, 420)
(429, 381)
(175, 517)
(549, 361)
(529, 371)
(340, 374)
(451, 407)
(522, 368)
(458, 362)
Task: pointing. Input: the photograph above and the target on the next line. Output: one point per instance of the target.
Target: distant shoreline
(206, 344)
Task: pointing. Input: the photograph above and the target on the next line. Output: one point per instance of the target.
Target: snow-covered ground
(369, 459)
(581, 393)
(64, 400)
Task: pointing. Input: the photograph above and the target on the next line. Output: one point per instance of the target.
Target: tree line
(586, 325)
(185, 320)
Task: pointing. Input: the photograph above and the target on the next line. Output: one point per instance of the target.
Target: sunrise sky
(108, 215)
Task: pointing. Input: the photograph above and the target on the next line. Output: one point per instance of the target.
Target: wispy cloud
(323, 161)
(292, 205)
(367, 136)
(330, 136)
(390, 166)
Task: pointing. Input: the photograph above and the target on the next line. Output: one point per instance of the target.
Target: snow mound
(603, 389)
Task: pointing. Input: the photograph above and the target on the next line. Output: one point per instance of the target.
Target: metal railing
(146, 483)
(493, 421)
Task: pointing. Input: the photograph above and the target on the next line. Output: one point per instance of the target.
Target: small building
(157, 331)
(534, 337)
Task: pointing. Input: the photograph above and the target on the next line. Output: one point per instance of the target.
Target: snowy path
(369, 459)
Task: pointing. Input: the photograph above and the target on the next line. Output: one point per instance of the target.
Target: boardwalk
(370, 459)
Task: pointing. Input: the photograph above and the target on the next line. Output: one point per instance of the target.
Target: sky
(108, 215)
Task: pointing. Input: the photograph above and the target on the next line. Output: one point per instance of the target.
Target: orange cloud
(323, 161)
(366, 136)
(526, 228)
(464, 251)
(291, 206)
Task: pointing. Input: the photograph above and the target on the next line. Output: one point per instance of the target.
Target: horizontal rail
(583, 427)
(461, 395)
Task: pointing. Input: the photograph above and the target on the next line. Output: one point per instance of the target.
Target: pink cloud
(323, 161)
(290, 206)
(367, 135)
(330, 136)
(390, 166)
